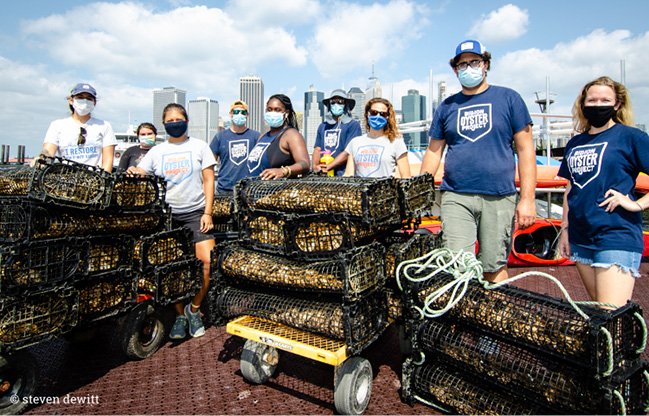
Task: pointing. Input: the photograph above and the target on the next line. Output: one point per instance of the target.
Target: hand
(564, 244)
(316, 167)
(206, 223)
(525, 213)
(324, 168)
(615, 199)
(272, 174)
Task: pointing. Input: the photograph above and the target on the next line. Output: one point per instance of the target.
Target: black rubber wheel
(18, 379)
(353, 386)
(142, 332)
(258, 361)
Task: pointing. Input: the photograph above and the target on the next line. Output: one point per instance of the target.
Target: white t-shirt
(375, 157)
(181, 166)
(64, 133)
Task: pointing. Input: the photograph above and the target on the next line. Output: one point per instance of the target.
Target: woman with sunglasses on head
(146, 133)
(187, 165)
(382, 150)
(281, 152)
(81, 137)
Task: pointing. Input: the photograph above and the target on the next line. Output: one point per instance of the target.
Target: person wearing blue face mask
(480, 125)
(146, 133)
(382, 150)
(335, 132)
(232, 146)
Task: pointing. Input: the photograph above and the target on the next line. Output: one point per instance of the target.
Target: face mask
(470, 77)
(337, 109)
(82, 107)
(599, 115)
(377, 122)
(147, 140)
(176, 129)
(274, 119)
(239, 119)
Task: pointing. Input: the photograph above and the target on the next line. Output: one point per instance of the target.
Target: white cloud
(262, 13)
(507, 23)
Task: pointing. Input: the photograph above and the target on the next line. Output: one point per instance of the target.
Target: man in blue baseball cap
(480, 125)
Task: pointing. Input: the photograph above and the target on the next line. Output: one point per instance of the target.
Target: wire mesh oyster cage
(104, 296)
(416, 195)
(172, 282)
(105, 254)
(137, 192)
(537, 376)
(350, 273)
(358, 323)
(27, 320)
(306, 236)
(371, 200)
(395, 303)
(223, 205)
(15, 179)
(402, 246)
(38, 266)
(453, 392)
(601, 344)
(161, 248)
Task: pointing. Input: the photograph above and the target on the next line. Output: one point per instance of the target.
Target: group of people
(481, 128)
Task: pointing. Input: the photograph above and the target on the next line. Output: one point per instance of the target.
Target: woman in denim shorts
(602, 221)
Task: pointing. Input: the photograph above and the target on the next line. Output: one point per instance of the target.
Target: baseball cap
(239, 103)
(81, 87)
(470, 46)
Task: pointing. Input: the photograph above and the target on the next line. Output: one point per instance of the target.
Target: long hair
(623, 115)
(391, 129)
(174, 106)
(291, 118)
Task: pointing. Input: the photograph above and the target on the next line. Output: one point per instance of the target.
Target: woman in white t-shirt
(81, 137)
(379, 152)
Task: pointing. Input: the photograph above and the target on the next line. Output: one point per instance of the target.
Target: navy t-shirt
(233, 150)
(479, 132)
(336, 137)
(594, 164)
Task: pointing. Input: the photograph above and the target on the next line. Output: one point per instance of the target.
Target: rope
(644, 332)
(609, 349)
(433, 405)
(646, 376)
(621, 399)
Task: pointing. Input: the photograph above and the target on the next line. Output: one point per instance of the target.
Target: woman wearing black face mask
(602, 222)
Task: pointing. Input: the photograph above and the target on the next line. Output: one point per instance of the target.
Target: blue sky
(128, 49)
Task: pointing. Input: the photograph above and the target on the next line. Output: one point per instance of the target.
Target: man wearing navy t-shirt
(480, 125)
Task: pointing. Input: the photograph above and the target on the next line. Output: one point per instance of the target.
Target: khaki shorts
(485, 218)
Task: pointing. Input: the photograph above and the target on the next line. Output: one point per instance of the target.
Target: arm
(208, 189)
(404, 166)
(107, 154)
(350, 169)
(564, 244)
(124, 161)
(338, 160)
(316, 159)
(297, 148)
(49, 149)
(432, 157)
(526, 209)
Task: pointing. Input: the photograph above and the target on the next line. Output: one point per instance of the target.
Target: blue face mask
(377, 122)
(176, 129)
(470, 77)
(274, 119)
(337, 109)
(239, 119)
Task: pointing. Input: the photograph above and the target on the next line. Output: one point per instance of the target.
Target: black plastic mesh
(137, 192)
(106, 254)
(15, 180)
(223, 205)
(403, 246)
(173, 281)
(351, 273)
(416, 195)
(163, 247)
(633, 386)
(105, 296)
(395, 304)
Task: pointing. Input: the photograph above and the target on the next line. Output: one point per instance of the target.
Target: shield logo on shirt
(369, 159)
(176, 167)
(585, 163)
(238, 150)
(331, 138)
(474, 121)
(254, 159)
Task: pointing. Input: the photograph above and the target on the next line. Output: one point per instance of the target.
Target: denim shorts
(627, 261)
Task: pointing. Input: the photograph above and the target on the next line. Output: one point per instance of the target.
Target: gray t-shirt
(375, 157)
(181, 165)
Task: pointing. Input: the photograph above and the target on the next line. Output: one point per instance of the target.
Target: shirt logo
(331, 138)
(474, 121)
(585, 163)
(369, 159)
(238, 150)
(254, 158)
(176, 167)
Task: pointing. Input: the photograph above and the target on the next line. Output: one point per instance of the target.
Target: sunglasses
(337, 101)
(381, 113)
(244, 112)
(82, 136)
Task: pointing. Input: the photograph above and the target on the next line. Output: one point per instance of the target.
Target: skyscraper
(413, 107)
(161, 98)
(313, 116)
(251, 90)
(359, 96)
(203, 118)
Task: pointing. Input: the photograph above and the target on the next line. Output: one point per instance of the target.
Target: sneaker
(179, 329)
(196, 328)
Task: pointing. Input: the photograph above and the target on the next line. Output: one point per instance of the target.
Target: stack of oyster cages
(307, 255)
(511, 351)
(75, 245)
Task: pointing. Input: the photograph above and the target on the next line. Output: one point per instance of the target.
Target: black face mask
(599, 115)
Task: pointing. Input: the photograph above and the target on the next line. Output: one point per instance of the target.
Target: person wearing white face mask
(81, 137)
(480, 125)
(146, 133)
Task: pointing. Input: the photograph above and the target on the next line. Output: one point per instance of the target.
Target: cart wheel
(18, 379)
(142, 332)
(353, 386)
(258, 361)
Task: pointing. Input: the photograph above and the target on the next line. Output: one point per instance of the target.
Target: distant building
(359, 96)
(161, 98)
(314, 112)
(203, 118)
(300, 120)
(413, 107)
(251, 90)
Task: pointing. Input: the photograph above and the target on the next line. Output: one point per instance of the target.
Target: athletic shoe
(196, 328)
(179, 329)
